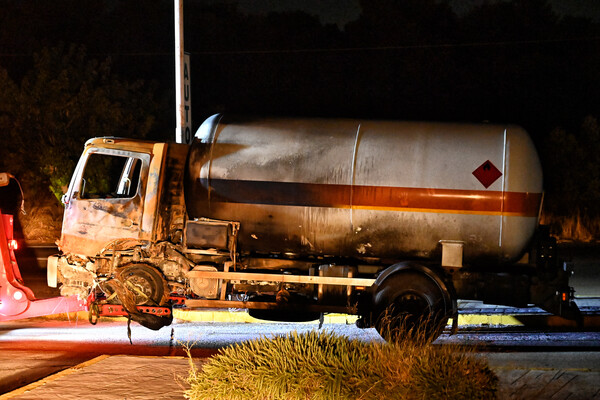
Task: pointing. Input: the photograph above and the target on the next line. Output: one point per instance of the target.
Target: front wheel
(410, 305)
(144, 283)
(140, 284)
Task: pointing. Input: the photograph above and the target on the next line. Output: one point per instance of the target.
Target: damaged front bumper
(76, 277)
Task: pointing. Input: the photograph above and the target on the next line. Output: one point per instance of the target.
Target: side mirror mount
(4, 179)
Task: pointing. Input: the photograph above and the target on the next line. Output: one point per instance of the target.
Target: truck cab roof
(121, 143)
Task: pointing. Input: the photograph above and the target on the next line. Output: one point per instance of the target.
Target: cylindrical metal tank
(389, 190)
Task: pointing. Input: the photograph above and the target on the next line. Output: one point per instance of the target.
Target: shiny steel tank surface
(362, 189)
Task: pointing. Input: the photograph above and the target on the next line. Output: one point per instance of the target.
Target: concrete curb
(53, 377)
(244, 317)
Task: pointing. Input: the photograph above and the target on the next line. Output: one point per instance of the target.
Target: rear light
(13, 245)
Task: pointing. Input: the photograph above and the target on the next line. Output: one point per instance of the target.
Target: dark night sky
(341, 12)
(517, 73)
(497, 63)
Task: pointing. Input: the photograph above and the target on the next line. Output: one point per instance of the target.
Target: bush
(41, 224)
(323, 365)
(574, 227)
(65, 99)
(572, 181)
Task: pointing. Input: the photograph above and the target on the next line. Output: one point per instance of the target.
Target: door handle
(128, 223)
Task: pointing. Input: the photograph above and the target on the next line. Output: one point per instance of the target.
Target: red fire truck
(17, 301)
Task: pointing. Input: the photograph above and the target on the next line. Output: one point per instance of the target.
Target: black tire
(410, 305)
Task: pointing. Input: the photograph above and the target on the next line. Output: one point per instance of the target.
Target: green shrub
(323, 365)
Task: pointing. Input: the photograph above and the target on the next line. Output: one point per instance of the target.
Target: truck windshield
(110, 176)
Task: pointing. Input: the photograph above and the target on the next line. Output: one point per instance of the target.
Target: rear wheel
(410, 305)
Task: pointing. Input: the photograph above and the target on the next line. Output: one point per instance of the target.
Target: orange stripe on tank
(375, 197)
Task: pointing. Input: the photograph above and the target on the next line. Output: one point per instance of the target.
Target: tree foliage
(573, 181)
(65, 99)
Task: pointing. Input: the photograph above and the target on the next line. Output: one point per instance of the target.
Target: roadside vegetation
(324, 365)
(572, 182)
(45, 119)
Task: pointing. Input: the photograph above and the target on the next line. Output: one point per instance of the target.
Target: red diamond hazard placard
(487, 173)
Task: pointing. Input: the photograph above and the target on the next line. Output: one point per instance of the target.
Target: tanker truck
(294, 218)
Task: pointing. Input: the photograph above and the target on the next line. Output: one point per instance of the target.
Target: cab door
(105, 201)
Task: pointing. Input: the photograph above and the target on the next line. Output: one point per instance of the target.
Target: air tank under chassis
(388, 190)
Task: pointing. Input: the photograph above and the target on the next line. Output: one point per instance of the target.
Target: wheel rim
(143, 287)
(411, 314)
(412, 305)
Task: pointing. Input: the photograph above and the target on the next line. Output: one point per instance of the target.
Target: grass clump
(323, 365)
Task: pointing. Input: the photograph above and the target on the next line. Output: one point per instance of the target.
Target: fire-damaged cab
(123, 226)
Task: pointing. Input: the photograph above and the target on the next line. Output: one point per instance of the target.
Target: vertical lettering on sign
(187, 99)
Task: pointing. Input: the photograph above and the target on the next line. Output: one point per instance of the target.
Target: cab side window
(110, 176)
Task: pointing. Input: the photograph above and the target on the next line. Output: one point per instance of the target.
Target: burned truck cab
(123, 194)
(116, 192)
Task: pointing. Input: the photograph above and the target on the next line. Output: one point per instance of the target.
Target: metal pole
(179, 63)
